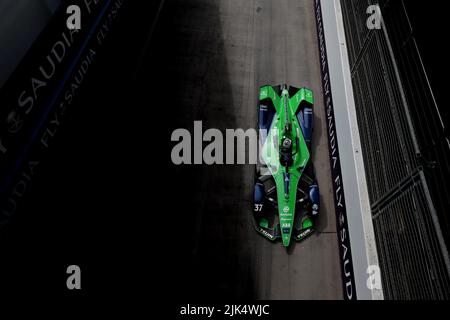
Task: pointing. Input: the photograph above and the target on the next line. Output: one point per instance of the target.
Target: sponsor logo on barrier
(40, 80)
(25, 161)
(14, 122)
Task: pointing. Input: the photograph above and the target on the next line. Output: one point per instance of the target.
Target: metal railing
(406, 153)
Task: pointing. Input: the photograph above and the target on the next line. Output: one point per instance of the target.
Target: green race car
(286, 194)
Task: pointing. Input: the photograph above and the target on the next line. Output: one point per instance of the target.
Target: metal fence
(406, 153)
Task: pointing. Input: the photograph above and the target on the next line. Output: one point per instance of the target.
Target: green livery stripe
(268, 92)
(303, 94)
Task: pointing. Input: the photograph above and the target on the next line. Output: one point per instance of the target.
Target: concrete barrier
(358, 252)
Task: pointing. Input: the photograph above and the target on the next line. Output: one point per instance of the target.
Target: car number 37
(258, 207)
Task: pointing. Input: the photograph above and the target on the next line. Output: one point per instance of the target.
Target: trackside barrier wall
(406, 147)
(21, 21)
(358, 252)
(28, 114)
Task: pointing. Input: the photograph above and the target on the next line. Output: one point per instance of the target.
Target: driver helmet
(287, 143)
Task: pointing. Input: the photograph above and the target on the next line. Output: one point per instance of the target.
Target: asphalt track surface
(221, 52)
(108, 198)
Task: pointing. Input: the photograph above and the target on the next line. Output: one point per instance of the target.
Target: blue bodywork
(314, 194)
(305, 118)
(266, 115)
(259, 194)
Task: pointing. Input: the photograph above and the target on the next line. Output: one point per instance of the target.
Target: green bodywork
(285, 125)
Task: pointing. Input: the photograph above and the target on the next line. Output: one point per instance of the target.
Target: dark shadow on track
(186, 79)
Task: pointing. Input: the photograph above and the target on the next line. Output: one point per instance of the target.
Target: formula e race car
(286, 194)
